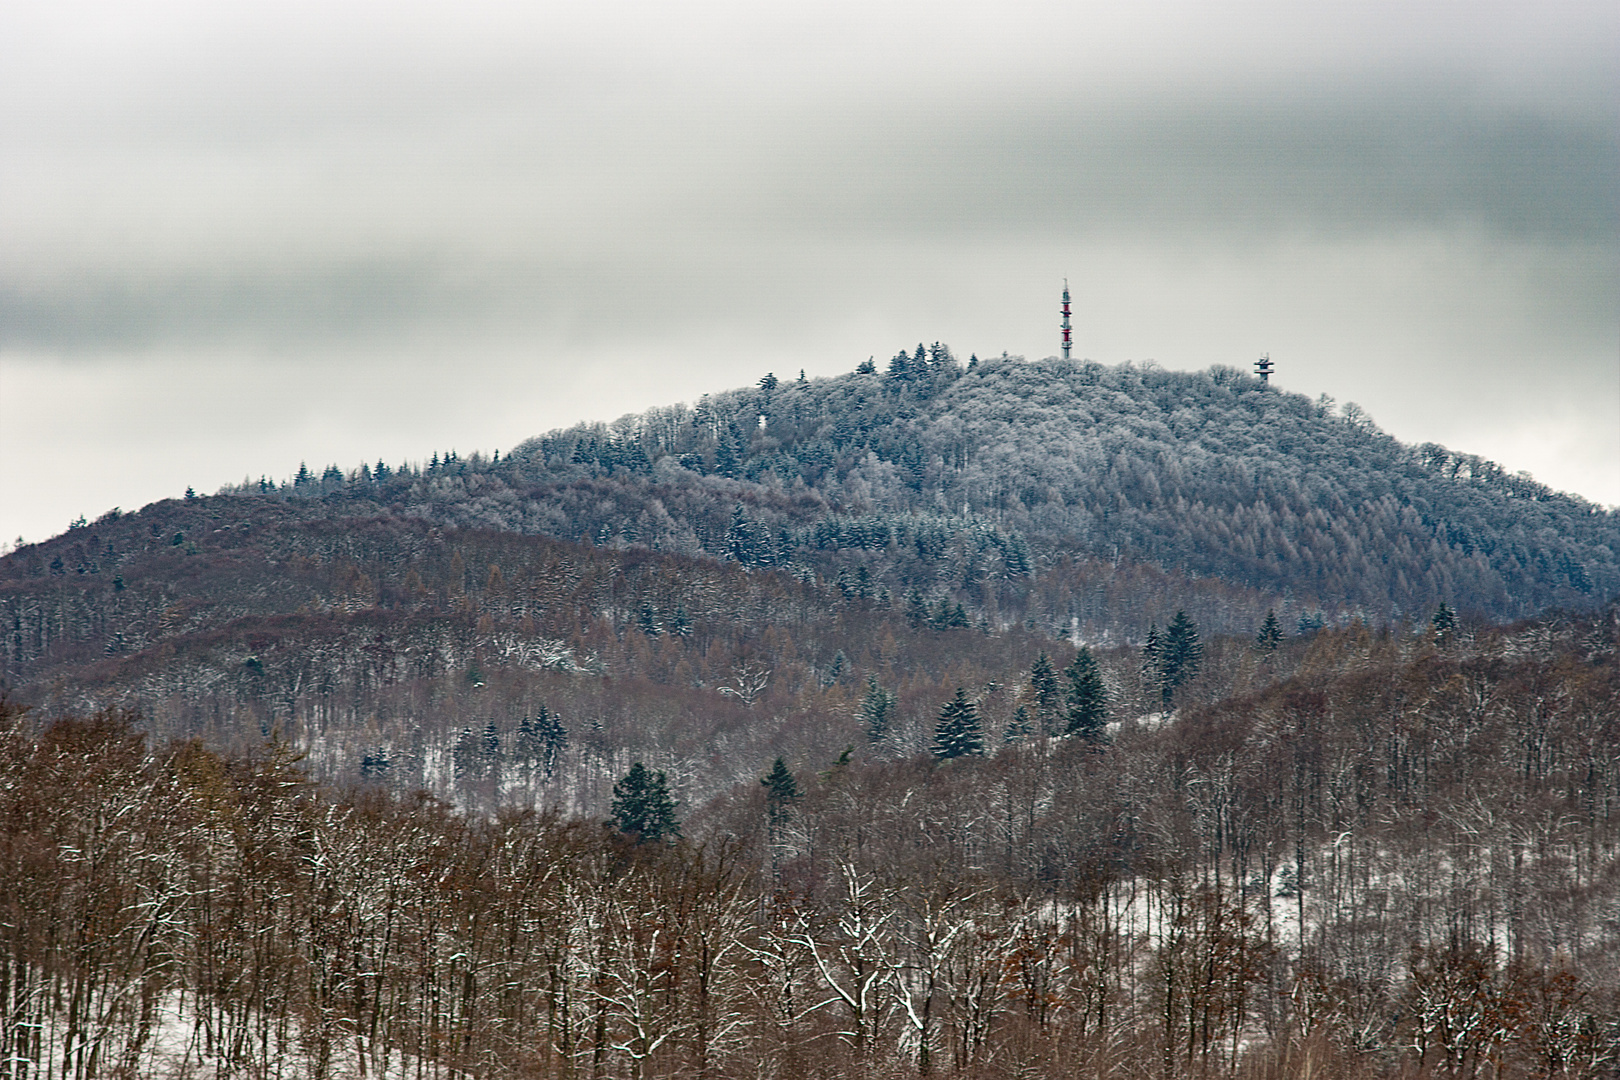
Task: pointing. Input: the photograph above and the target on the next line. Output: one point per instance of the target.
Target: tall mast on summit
(1263, 367)
(1067, 339)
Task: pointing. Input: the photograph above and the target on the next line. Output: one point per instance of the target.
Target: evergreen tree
(1043, 683)
(1016, 556)
(1020, 727)
(958, 731)
(916, 609)
(1181, 654)
(741, 542)
(1270, 635)
(1088, 697)
(781, 792)
(1151, 648)
(642, 808)
(732, 452)
(877, 710)
(647, 620)
(680, 624)
(1444, 623)
(541, 741)
(464, 756)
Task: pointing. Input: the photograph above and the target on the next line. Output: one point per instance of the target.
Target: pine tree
(1270, 635)
(1043, 682)
(1180, 656)
(958, 732)
(1020, 727)
(541, 741)
(464, 757)
(781, 792)
(1151, 648)
(1016, 556)
(680, 624)
(642, 808)
(1444, 623)
(1088, 697)
(916, 609)
(647, 620)
(741, 543)
(877, 710)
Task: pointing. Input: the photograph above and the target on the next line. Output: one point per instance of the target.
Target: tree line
(1396, 858)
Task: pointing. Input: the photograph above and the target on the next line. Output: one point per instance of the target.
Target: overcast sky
(235, 237)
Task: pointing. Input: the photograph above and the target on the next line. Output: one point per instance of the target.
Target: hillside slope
(920, 530)
(1207, 474)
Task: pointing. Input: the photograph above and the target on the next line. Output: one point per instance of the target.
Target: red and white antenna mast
(1068, 340)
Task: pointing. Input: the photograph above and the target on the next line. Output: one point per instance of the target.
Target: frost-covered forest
(1209, 474)
(997, 720)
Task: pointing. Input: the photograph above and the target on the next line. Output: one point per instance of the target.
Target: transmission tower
(1263, 368)
(1068, 340)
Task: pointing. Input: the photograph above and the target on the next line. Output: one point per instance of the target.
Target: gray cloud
(602, 206)
(499, 224)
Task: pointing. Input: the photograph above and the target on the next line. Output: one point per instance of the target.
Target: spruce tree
(1444, 623)
(877, 710)
(958, 732)
(779, 784)
(1270, 635)
(1088, 697)
(1151, 648)
(1181, 654)
(541, 741)
(916, 609)
(781, 792)
(1043, 682)
(1019, 728)
(642, 808)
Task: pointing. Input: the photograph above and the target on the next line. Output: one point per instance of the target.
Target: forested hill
(930, 477)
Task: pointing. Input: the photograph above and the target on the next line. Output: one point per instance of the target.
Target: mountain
(960, 699)
(938, 478)
(917, 530)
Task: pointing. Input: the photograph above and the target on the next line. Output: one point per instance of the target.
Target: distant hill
(920, 529)
(944, 480)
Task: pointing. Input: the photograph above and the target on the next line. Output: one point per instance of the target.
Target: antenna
(1067, 339)
(1263, 368)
